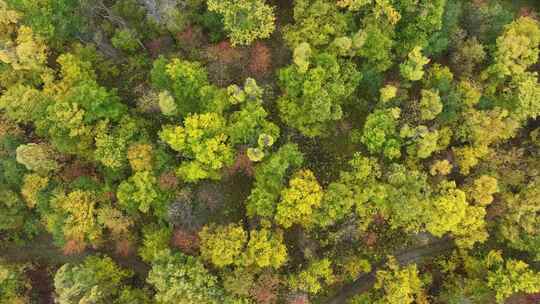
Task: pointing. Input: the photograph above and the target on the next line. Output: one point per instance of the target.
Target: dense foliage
(268, 152)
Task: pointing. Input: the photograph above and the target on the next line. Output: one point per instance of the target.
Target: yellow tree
(33, 184)
(299, 200)
(399, 285)
(76, 214)
(140, 157)
(517, 47)
(265, 249)
(222, 245)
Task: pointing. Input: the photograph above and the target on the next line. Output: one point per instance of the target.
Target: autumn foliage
(260, 59)
(187, 241)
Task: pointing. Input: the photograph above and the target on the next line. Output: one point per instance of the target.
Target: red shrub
(186, 241)
(265, 290)
(74, 247)
(260, 59)
(168, 181)
(158, 45)
(495, 209)
(370, 239)
(190, 38)
(379, 219)
(187, 35)
(534, 298)
(479, 3)
(224, 53)
(528, 12)
(242, 164)
(298, 299)
(124, 247)
(75, 170)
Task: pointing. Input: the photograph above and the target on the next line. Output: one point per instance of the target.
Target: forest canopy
(269, 152)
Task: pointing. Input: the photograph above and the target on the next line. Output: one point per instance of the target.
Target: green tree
(245, 20)
(270, 178)
(481, 277)
(126, 40)
(315, 22)
(13, 284)
(80, 105)
(155, 240)
(509, 277)
(14, 216)
(186, 81)
(79, 86)
(182, 279)
(418, 23)
(141, 193)
(56, 20)
(353, 5)
(356, 187)
(22, 103)
(313, 99)
(524, 103)
(66, 129)
(37, 157)
(134, 295)
(95, 280)
(403, 191)
(74, 218)
(318, 274)
(423, 141)
(250, 122)
(374, 43)
(430, 105)
(517, 47)
(203, 141)
(413, 68)
(519, 223)
(112, 141)
(380, 133)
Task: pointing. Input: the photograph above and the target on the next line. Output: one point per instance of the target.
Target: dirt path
(42, 251)
(365, 282)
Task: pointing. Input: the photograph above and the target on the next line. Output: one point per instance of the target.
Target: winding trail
(366, 281)
(43, 250)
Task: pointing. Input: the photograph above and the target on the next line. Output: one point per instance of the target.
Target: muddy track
(366, 281)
